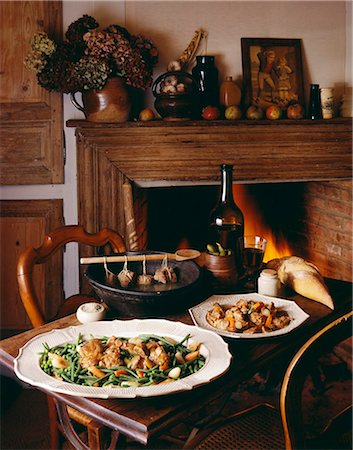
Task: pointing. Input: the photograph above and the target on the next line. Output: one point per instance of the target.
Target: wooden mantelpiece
(161, 153)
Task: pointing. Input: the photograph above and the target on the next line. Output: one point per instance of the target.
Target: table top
(141, 418)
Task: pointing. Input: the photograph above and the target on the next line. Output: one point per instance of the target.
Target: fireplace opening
(310, 219)
(177, 217)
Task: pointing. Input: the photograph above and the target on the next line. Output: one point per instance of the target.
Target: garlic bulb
(173, 66)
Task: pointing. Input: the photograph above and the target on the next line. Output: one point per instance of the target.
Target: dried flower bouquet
(88, 57)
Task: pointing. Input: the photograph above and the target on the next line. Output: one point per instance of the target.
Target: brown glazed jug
(110, 104)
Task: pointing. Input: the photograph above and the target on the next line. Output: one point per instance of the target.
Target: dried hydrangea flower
(41, 43)
(89, 57)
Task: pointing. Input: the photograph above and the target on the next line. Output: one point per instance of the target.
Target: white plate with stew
(199, 312)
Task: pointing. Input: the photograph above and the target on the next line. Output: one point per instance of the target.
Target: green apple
(232, 112)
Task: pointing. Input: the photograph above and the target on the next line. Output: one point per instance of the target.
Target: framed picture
(272, 71)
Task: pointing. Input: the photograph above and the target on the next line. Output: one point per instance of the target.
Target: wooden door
(24, 223)
(31, 144)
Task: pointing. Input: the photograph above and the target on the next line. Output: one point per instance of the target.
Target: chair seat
(256, 429)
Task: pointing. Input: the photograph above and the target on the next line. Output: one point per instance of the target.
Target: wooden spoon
(180, 255)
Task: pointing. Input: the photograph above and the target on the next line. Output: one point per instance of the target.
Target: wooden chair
(263, 426)
(28, 259)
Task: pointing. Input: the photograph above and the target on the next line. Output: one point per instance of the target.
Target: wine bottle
(226, 222)
(314, 102)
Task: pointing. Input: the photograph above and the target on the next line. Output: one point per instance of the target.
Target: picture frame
(272, 72)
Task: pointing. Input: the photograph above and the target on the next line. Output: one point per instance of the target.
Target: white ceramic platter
(213, 348)
(198, 314)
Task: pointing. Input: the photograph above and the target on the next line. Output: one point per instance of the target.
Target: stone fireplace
(299, 174)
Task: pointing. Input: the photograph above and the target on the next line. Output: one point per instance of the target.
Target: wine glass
(252, 250)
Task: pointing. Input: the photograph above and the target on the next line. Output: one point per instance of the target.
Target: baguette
(303, 277)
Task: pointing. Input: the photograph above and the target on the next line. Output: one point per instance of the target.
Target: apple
(273, 112)
(295, 111)
(146, 115)
(254, 113)
(211, 113)
(232, 112)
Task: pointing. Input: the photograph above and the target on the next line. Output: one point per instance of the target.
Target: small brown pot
(110, 104)
(222, 270)
(178, 106)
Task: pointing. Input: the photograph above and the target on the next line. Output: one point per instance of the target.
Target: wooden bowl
(153, 300)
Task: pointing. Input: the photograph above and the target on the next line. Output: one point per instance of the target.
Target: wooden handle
(111, 259)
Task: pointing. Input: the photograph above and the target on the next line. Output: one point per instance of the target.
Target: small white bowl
(90, 312)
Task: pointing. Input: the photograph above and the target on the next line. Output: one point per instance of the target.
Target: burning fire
(254, 223)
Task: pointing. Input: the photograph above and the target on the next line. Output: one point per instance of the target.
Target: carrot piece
(140, 373)
(256, 306)
(117, 373)
(96, 372)
(191, 356)
(231, 323)
(268, 321)
(167, 380)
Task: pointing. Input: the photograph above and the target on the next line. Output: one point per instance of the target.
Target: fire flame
(184, 243)
(254, 223)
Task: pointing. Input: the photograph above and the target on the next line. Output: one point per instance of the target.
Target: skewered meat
(165, 275)
(126, 276)
(144, 279)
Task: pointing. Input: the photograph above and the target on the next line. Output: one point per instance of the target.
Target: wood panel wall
(31, 144)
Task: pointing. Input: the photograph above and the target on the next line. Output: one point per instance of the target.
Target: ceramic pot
(109, 104)
(179, 105)
(222, 270)
(151, 300)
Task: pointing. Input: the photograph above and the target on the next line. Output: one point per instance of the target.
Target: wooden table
(142, 418)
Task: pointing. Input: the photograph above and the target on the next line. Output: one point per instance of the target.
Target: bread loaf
(303, 277)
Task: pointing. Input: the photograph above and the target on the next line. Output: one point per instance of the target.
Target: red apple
(146, 115)
(273, 112)
(254, 113)
(232, 112)
(295, 111)
(211, 113)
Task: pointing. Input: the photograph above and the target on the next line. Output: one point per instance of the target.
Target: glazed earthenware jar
(222, 270)
(173, 105)
(109, 104)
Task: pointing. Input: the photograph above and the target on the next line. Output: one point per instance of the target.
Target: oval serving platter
(213, 348)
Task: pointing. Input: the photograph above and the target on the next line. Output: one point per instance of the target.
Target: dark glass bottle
(205, 74)
(226, 222)
(314, 110)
